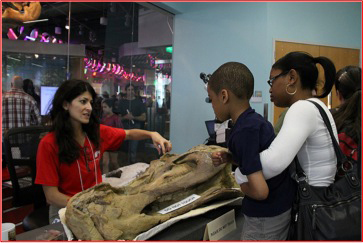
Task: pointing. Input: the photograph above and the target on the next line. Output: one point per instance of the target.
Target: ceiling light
(35, 21)
(37, 65)
(36, 55)
(58, 30)
(67, 26)
(103, 21)
(12, 58)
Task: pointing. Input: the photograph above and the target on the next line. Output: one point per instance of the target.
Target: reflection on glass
(111, 45)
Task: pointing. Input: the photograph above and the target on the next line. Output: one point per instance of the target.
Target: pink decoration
(94, 65)
(108, 69)
(118, 69)
(103, 67)
(34, 34)
(29, 38)
(12, 35)
(114, 68)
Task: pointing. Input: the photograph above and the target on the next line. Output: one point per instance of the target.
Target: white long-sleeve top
(303, 133)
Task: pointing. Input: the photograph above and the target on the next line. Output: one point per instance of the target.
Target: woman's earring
(287, 91)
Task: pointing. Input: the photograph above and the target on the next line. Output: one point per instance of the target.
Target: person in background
(97, 107)
(133, 115)
(115, 99)
(150, 92)
(105, 95)
(19, 108)
(279, 121)
(68, 157)
(267, 203)
(28, 88)
(348, 115)
(293, 79)
(109, 159)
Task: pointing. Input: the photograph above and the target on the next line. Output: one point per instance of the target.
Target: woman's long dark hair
(348, 116)
(305, 66)
(68, 147)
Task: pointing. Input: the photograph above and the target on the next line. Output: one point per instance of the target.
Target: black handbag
(327, 213)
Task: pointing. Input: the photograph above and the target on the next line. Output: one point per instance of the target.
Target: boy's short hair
(108, 102)
(235, 77)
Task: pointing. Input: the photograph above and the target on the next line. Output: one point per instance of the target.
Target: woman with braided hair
(348, 115)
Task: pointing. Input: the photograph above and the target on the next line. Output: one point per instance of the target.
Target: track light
(103, 21)
(58, 30)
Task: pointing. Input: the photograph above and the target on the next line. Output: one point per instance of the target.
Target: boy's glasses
(277, 76)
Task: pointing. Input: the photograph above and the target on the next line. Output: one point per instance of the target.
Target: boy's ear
(224, 96)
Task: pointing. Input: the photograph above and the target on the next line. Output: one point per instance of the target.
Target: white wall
(207, 35)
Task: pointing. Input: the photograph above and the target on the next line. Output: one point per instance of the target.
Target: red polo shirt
(68, 178)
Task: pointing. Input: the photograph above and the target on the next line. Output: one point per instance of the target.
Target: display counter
(187, 229)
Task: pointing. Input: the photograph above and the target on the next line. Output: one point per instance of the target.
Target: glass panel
(112, 45)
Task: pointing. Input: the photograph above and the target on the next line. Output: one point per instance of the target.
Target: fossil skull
(107, 213)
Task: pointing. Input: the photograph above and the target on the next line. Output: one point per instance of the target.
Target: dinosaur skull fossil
(107, 213)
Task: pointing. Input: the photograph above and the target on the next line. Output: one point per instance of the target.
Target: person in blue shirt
(267, 203)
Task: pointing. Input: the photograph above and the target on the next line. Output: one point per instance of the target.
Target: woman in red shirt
(68, 158)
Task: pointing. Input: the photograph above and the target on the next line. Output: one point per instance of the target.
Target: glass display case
(108, 44)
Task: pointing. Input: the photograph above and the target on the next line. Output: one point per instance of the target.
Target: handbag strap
(338, 151)
(340, 156)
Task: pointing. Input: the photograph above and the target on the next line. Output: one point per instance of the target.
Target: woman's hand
(220, 157)
(161, 144)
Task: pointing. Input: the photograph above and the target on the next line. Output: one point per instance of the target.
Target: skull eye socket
(192, 163)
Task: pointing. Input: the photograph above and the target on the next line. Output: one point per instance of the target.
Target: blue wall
(207, 35)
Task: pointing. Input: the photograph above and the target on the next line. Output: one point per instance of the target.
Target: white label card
(220, 227)
(179, 204)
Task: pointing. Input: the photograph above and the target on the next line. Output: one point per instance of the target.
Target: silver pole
(69, 38)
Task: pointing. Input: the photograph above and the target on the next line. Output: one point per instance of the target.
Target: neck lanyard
(79, 168)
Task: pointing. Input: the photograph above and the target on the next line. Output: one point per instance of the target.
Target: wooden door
(341, 57)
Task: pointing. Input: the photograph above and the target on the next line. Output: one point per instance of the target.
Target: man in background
(133, 115)
(19, 108)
